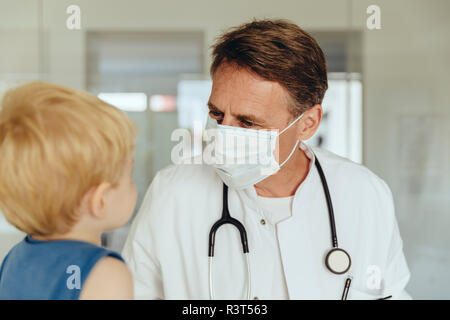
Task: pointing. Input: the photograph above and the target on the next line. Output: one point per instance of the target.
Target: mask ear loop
(292, 152)
(291, 124)
(296, 144)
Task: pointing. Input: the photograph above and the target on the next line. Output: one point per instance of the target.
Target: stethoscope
(337, 259)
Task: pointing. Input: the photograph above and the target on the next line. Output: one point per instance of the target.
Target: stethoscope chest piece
(338, 261)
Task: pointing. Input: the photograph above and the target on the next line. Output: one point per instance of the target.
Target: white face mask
(244, 157)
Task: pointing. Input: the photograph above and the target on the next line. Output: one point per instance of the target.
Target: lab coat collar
(252, 196)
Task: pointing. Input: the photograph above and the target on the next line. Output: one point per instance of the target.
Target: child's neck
(91, 237)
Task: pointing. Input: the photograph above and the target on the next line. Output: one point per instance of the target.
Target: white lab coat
(167, 248)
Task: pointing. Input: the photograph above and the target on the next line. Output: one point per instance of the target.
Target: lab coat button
(255, 298)
(263, 222)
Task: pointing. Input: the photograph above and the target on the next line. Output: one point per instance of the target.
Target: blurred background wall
(388, 106)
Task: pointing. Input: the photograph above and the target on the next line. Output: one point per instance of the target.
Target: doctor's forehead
(238, 90)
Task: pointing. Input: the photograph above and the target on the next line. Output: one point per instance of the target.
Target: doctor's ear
(310, 122)
(97, 200)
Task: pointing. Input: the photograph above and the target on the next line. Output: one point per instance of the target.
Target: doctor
(268, 74)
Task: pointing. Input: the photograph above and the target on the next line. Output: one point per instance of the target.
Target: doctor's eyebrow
(213, 108)
(241, 117)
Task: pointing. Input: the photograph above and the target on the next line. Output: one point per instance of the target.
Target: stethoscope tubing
(226, 218)
(334, 240)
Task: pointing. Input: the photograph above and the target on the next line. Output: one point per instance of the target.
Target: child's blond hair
(56, 143)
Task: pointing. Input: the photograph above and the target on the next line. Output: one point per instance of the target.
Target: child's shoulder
(59, 269)
(109, 279)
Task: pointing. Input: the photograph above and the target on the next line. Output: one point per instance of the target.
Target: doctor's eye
(246, 123)
(215, 114)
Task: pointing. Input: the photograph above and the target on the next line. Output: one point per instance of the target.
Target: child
(66, 160)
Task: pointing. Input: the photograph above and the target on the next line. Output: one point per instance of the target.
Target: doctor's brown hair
(279, 51)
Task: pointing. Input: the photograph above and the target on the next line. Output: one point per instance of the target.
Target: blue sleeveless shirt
(48, 270)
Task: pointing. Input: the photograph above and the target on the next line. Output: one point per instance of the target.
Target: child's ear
(97, 201)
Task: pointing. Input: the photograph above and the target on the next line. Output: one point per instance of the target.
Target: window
(126, 101)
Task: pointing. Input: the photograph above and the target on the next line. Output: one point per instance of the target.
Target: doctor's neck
(287, 180)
